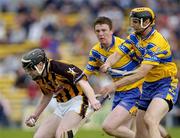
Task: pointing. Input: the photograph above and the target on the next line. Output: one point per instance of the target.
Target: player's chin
(138, 31)
(102, 41)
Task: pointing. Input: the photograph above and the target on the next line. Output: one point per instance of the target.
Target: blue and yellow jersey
(154, 50)
(98, 55)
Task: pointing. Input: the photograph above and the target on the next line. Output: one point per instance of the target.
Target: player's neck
(107, 45)
(146, 32)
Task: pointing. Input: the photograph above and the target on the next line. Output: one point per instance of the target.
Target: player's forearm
(89, 92)
(139, 73)
(129, 79)
(112, 59)
(45, 99)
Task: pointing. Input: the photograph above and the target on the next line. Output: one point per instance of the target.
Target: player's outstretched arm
(138, 74)
(112, 59)
(89, 92)
(135, 76)
(31, 120)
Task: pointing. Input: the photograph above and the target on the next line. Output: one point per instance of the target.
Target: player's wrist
(92, 100)
(35, 116)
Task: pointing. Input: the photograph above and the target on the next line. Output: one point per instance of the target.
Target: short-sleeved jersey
(98, 55)
(61, 80)
(154, 50)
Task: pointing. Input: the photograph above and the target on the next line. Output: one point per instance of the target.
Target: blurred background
(64, 29)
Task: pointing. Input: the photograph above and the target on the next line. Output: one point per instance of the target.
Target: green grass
(18, 133)
(91, 134)
(15, 133)
(175, 132)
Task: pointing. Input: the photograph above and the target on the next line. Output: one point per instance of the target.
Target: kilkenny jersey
(154, 50)
(98, 55)
(61, 80)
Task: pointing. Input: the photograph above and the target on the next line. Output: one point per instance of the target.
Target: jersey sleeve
(156, 55)
(125, 47)
(93, 63)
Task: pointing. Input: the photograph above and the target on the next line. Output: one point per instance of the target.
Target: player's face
(103, 33)
(135, 23)
(32, 72)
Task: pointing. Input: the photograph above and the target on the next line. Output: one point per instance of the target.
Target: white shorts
(75, 104)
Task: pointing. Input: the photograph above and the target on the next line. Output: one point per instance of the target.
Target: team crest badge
(71, 71)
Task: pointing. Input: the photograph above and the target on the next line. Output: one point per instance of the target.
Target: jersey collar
(150, 33)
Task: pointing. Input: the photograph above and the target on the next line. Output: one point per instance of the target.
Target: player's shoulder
(58, 64)
(159, 39)
(132, 37)
(118, 39)
(61, 66)
(58, 61)
(158, 35)
(96, 47)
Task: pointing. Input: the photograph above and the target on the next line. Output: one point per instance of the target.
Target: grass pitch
(18, 133)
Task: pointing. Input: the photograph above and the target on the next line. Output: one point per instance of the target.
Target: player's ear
(112, 31)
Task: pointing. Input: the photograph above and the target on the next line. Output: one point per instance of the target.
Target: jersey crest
(72, 72)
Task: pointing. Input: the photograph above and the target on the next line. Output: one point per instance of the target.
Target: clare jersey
(98, 55)
(154, 50)
(61, 80)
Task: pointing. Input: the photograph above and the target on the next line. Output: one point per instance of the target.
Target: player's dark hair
(103, 20)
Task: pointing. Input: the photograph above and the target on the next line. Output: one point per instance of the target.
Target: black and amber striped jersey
(61, 80)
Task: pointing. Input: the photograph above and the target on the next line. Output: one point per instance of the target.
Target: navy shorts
(165, 88)
(127, 99)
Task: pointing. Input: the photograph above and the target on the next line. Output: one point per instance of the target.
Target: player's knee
(60, 134)
(139, 136)
(150, 120)
(108, 128)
